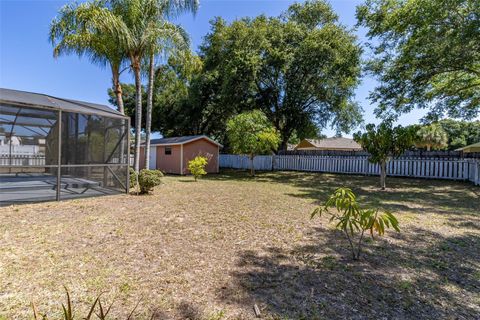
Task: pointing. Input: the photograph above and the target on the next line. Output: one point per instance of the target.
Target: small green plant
(197, 166)
(148, 179)
(96, 309)
(354, 221)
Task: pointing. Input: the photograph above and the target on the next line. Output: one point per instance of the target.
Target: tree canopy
(299, 68)
(426, 55)
(458, 133)
(431, 137)
(461, 133)
(251, 133)
(76, 31)
(384, 142)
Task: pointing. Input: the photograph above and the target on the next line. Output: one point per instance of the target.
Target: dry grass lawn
(213, 249)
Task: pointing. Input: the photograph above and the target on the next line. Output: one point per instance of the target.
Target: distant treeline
(460, 133)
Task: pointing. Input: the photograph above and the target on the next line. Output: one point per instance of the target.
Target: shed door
(153, 158)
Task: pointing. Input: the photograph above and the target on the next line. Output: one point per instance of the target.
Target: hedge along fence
(458, 169)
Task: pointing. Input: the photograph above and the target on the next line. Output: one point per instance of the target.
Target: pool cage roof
(29, 99)
(67, 146)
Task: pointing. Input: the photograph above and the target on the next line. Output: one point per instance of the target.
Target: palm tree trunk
(138, 114)
(117, 89)
(148, 124)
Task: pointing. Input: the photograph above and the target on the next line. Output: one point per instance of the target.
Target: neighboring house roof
(291, 146)
(181, 140)
(16, 97)
(470, 148)
(330, 144)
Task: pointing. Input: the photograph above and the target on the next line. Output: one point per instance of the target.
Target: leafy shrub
(133, 178)
(354, 221)
(148, 179)
(197, 166)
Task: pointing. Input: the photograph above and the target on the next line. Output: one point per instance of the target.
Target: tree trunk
(117, 89)
(252, 167)
(284, 145)
(383, 174)
(148, 123)
(138, 114)
(285, 138)
(428, 147)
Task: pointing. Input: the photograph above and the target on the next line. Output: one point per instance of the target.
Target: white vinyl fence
(458, 169)
(233, 161)
(22, 160)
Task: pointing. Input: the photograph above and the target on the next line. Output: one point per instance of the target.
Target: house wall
(201, 147)
(169, 163)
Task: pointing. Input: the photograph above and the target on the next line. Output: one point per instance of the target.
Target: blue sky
(26, 61)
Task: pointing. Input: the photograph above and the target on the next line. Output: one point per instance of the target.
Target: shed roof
(16, 97)
(180, 140)
(335, 143)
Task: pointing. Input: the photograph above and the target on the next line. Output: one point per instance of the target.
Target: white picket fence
(458, 169)
(264, 163)
(22, 160)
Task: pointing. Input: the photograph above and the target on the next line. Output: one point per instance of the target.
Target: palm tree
(75, 31)
(174, 38)
(432, 137)
(139, 27)
(133, 29)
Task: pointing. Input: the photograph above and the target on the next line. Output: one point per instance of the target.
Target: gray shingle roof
(336, 143)
(180, 140)
(43, 100)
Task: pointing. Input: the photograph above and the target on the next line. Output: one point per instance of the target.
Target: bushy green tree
(354, 221)
(384, 142)
(197, 166)
(461, 133)
(299, 68)
(251, 133)
(182, 104)
(426, 55)
(431, 137)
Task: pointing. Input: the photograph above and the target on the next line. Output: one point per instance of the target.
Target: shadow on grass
(422, 276)
(402, 194)
(185, 310)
